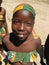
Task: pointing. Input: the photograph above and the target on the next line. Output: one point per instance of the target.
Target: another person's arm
(5, 22)
(29, 45)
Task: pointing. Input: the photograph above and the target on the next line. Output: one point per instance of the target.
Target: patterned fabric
(15, 56)
(25, 7)
(44, 61)
(2, 57)
(24, 57)
(2, 33)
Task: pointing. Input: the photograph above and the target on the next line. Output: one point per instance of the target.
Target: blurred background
(42, 15)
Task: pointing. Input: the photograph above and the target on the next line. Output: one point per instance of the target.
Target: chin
(22, 38)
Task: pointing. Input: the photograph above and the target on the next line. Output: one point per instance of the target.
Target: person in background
(3, 12)
(2, 30)
(21, 42)
(2, 34)
(45, 56)
(46, 50)
(3, 26)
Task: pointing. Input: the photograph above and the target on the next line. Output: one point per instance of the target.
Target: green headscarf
(25, 7)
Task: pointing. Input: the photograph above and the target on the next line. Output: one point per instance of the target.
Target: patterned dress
(2, 33)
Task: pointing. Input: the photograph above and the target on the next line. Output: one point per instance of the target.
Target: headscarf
(24, 7)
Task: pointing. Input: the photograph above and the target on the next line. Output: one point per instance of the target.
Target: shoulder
(36, 37)
(37, 40)
(6, 38)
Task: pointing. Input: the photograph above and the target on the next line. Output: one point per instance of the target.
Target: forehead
(23, 13)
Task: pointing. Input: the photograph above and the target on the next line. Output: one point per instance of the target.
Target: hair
(0, 9)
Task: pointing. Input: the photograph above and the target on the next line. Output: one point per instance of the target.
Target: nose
(22, 26)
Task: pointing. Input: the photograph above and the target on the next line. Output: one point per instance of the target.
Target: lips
(20, 35)
(21, 32)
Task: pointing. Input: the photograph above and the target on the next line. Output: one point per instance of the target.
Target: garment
(2, 33)
(24, 57)
(46, 50)
(17, 56)
(2, 30)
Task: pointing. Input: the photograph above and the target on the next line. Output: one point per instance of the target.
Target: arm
(29, 45)
(5, 23)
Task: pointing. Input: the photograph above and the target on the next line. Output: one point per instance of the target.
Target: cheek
(29, 29)
(14, 26)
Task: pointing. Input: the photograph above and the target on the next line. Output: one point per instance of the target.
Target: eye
(28, 24)
(16, 21)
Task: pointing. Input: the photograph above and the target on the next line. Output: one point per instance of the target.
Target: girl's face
(22, 24)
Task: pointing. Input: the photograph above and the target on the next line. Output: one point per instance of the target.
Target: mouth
(21, 35)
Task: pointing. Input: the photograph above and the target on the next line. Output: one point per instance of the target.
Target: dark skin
(22, 26)
(1, 24)
(3, 12)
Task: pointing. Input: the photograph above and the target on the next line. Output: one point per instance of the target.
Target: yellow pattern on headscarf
(18, 8)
